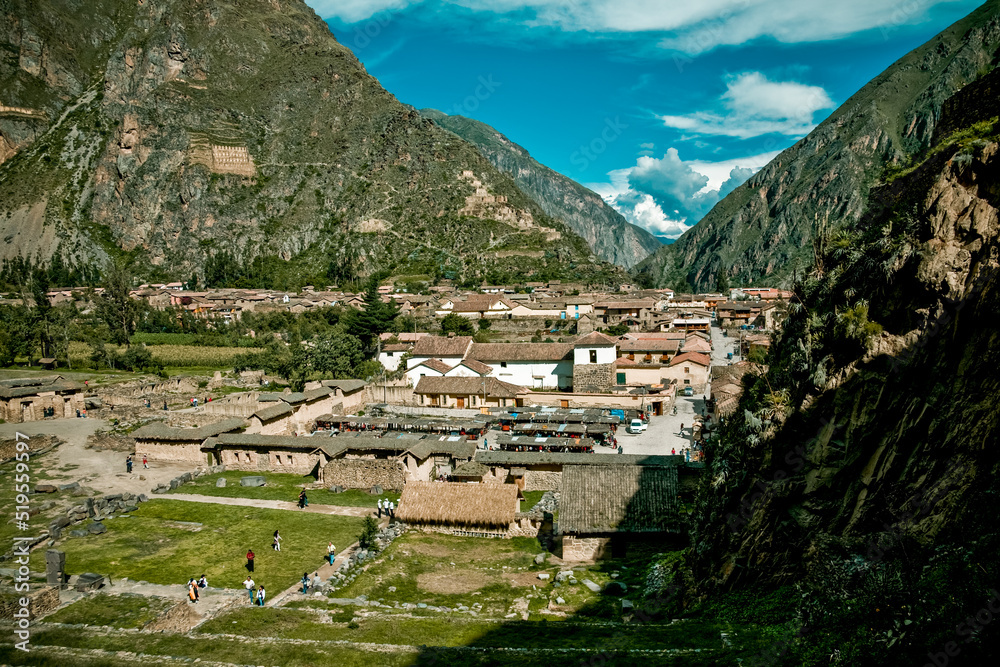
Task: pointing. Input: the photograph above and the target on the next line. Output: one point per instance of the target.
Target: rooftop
(618, 499)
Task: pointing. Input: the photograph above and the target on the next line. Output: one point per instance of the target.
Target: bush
(457, 324)
(369, 529)
(484, 324)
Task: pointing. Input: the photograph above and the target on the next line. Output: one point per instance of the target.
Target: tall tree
(118, 310)
(376, 318)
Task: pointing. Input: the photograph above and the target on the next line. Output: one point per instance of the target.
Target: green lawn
(151, 545)
(280, 486)
(531, 499)
(117, 611)
(37, 474)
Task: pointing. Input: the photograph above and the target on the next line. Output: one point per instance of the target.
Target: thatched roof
(21, 387)
(280, 409)
(160, 431)
(618, 499)
(457, 504)
(470, 469)
(529, 459)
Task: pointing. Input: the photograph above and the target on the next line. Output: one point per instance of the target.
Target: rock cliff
(764, 230)
(862, 470)
(609, 235)
(175, 130)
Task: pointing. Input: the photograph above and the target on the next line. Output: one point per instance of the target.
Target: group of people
(129, 461)
(388, 507)
(315, 583)
(256, 593)
(194, 585)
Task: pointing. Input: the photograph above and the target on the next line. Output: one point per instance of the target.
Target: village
(582, 451)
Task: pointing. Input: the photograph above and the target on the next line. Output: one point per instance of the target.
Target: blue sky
(661, 106)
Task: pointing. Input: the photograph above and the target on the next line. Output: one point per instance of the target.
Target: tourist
(621, 449)
(392, 510)
(192, 591)
(276, 544)
(249, 561)
(260, 596)
(203, 582)
(303, 500)
(249, 585)
(164, 405)
(681, 431)
(128, 463)
(317, 582)
(673, 451)
(145, 463)
(331, 552)
(380, 508)
(305, 583)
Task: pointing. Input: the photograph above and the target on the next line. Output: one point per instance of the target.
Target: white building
(535, 365)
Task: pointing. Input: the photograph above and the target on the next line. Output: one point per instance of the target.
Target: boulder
(560, 601)
(565, 574)
(46, 488)
(130, 508)
(97, 528)
(69, 487)
(377, 490)
(336, 489)
(544, 576)
(539, 559)
(142, 498)
(221, 482)
(79, 532)
(594, 588)
(252, 480)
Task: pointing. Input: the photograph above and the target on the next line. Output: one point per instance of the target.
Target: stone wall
(42, 601)
(542, 480)
(365, 473)
(599, 376)
(165, 451)
(32, 408)
(387, 393)
(525, 525)
(585, 548)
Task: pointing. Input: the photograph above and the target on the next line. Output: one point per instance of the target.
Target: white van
(636, 426)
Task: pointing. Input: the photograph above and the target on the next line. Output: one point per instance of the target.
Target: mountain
(240, 132)
(764, 230)
(857, 479)
(610, 235)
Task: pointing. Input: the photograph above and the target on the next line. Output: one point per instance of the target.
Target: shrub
(369, 529)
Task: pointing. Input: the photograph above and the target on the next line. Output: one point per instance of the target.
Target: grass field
(116, 611)
(153, 545)
(281, 486)
(171, 356)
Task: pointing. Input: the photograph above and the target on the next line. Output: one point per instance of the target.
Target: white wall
(413, 375)
(390, 360)
(462, 372)
(554, 374)
(605, 355)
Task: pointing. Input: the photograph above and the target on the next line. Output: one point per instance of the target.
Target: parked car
(636, 426)
(689, 391)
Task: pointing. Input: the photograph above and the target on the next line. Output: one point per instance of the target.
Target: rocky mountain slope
(175, 130)
(862, 469)
(609, 234)
(764, 230)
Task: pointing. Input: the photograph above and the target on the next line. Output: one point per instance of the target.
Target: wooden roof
(618, 499)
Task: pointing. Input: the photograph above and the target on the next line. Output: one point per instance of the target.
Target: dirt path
(271, 504)
(103, 471)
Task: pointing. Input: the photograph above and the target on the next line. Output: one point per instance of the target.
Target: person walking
(380, 508)
(392, 510)
(276, 545)
(261, 596)
(331, 552)
(317, 582)
(250, 556)
(620, 449)
(249, 584)
(673, 451)
(128, 463)
(303, 500)
(145, 463)
(305, 583)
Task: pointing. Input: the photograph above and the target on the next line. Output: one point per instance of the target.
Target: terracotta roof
(434, 365)
(397, 347)
(460, 386)
(595, 339)
(693, 357)
(442, 346)
(475, 366)
(618, 499)
(658, 345)
(487, 352)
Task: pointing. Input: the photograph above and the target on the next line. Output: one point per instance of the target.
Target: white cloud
(754, 106)
(667, 195)
(688, 27)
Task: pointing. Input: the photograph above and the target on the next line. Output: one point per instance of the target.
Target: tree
(376, 318)
(455, 323)
(369, 530)
(118, 310)
(336, 355)
(721, 282)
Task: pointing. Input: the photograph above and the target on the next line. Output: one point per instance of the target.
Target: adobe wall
(381, 393)
(417, 471)
(159, 451)
(542, 480)
(365, 473)
(585, 548)
(525, 526)
(282, 426)
(32, 408)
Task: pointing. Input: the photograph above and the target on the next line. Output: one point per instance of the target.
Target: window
(503, 364)
(236, 455)
(621, 378)
(687, 369)
(687, 381)
(289, 457)
(388, 354)
(277, 459)
(593, 356)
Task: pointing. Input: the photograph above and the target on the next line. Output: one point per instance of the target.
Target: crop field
(171, 356)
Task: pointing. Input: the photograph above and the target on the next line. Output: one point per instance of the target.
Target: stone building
(601, 508)
(255, 452)
(543, 471)
(159, 442)
(594, 362)
(34, 399)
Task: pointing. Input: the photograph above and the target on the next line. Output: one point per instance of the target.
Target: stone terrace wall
(43, 601)
(585, 548)
(541, 480)
(364, 474)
